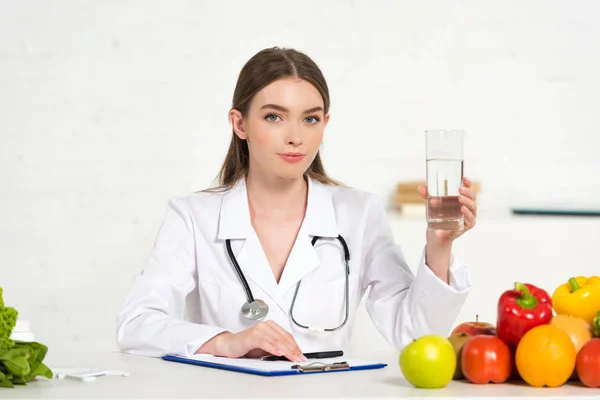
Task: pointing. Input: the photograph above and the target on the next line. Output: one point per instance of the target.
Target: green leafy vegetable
(20, 362)
(8, 319)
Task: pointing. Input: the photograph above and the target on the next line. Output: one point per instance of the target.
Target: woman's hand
(468, 209)
(264, 338)
(439, 242)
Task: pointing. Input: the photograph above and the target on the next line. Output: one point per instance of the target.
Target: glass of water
(444, 178)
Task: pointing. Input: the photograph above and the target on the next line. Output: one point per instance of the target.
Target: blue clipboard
(307, 368)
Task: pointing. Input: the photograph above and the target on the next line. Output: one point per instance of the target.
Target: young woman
(276, 259)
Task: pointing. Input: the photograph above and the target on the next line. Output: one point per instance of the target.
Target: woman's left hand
(468, 209)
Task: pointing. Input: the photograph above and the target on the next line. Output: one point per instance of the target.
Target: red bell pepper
(521, 309)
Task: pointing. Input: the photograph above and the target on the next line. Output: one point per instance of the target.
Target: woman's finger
(288, 336)
(271, 346)
(467, 192)
(265, 338)
(279, 341)
(423, 192)
(469, 217)
(471, 205)
(257, 353)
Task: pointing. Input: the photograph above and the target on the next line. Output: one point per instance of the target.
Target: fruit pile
(541, 340)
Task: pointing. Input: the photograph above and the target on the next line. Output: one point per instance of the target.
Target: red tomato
(588, 363)
(486, 359)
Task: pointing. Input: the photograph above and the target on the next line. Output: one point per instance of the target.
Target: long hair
(263, 68)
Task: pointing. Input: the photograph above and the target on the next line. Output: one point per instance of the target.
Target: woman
(274, 199)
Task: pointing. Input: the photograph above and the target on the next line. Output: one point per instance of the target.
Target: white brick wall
(109, 108)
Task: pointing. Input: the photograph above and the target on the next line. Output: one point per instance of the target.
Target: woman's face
(283, 127)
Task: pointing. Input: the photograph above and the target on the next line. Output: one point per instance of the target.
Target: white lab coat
(189, 290)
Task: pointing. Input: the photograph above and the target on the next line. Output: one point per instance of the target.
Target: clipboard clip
(319, 366)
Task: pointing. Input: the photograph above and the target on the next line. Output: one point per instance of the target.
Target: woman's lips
(292, 157)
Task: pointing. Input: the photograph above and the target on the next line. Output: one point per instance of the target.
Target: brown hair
(263, 68)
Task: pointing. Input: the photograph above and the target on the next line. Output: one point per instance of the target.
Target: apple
(458, 340)
(428, 362)
(485, 359)
(587, 364)
(474, 328)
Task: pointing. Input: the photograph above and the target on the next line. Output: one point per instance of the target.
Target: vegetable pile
(20, 361)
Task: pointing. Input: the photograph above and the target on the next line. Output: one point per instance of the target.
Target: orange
(545, 356)
(577, 328)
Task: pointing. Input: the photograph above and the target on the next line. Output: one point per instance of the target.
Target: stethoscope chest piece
(258, 309)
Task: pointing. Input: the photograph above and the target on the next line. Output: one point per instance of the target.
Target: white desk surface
(155, 378)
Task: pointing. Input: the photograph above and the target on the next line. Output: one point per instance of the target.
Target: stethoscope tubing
(250, 296)
(347, 291)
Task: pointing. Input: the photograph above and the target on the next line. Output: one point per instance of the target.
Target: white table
(155, 378)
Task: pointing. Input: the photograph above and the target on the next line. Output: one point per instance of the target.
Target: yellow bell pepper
(579, 297)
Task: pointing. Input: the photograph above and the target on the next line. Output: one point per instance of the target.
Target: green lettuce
(20, 362)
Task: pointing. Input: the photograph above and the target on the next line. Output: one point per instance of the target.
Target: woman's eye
(312, 120)
(272, 117)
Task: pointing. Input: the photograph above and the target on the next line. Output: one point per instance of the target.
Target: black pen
(318, 354)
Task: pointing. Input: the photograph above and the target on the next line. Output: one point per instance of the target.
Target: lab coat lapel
(319, 221)
(235, 224)
(257, 267)
(302, 260)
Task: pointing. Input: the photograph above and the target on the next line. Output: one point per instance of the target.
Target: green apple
(428, 362)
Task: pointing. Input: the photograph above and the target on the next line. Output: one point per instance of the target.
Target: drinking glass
(444, 178)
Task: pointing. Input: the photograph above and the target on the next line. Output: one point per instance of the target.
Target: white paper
(268, 366)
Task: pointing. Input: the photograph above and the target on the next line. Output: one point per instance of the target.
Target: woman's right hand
(264, 338)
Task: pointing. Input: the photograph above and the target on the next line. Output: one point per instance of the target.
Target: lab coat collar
(234, 218)
(320, 214)
(235, 223)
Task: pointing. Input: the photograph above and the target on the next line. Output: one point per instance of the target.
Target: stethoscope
(256, 309)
